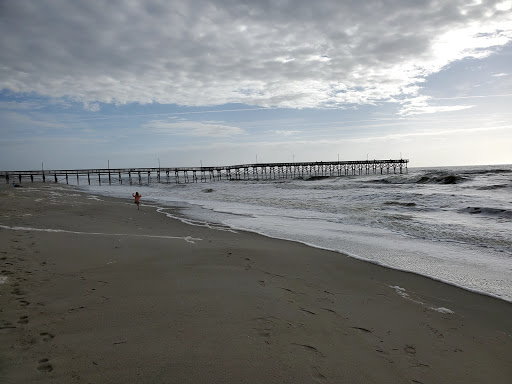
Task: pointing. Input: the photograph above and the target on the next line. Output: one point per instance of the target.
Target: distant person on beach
(15, 185)
(137, 198)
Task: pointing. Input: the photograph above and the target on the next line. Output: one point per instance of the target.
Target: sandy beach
(93, 290)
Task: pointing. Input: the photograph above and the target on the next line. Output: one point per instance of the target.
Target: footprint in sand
(317, 375)
(410, 349)
(23, 320)
(267, 326)
(44, 366)
(18, 292)
(24, 303)
(248, 266)
(45, 336)
(6, 325)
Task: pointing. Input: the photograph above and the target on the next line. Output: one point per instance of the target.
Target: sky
(97, 84)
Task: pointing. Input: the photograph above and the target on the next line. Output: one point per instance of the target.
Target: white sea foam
(402, 292)
(188, 239)
(196, 223)
(442, 310)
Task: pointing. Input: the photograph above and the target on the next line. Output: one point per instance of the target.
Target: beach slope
(93, 290)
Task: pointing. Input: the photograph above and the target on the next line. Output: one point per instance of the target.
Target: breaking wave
(437, 178)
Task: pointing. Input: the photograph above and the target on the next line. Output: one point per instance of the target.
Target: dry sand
(105, 300)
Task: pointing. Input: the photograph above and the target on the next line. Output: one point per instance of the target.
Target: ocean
(452, 224)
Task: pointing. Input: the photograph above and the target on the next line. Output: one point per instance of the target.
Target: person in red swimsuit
(137, 198)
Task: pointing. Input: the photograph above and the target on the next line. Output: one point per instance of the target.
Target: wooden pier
(258, 171)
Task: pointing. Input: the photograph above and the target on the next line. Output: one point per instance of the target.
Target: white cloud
(19, 106)
(422, 104)
(192, 128)
(268, 54)
(285, 132)
(93, 107)
(25, 122)
(504, 6)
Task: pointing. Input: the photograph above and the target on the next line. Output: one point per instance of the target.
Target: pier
(258, 171)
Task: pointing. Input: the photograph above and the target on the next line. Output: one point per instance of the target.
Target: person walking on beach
(137, 199)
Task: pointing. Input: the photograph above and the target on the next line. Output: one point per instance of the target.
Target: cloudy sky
(186, 82)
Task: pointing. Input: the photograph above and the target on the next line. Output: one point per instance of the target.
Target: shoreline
(381, 265)
(183, 218)
(114, 304)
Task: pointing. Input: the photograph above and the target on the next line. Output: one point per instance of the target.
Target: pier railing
(258, 171)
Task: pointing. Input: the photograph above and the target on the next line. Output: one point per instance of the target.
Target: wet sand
(94, 291)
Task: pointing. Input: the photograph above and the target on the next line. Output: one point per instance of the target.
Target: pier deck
(258, 171)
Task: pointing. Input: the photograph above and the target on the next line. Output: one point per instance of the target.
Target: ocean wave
(313, 178)
(424, 178)
(385, 181)
(488, 212)
(488, 171)
(441, 178)
(400, 204)
(493, 187)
